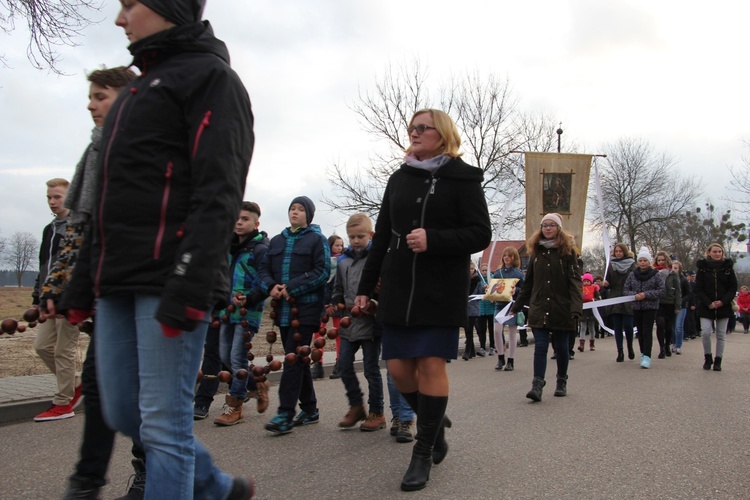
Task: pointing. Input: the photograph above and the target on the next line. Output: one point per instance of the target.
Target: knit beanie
(177, 11)
(308, 204)
(555, 217)
(643, 253)
(588, 277)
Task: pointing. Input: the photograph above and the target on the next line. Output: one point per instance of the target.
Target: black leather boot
(509, 366)
(709, 362)
(430, 421)
(535, 393)
(561, 389)
(717, 364)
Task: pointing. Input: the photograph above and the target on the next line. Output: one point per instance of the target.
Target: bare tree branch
(22, 249)
(51, 23)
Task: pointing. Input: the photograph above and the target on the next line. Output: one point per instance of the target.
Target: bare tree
(485, 111)
(739, 188)
(21, 253)
(51, 23)
(640, 193)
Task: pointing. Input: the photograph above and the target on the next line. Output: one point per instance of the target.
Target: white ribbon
(595, 305)
(501, 219)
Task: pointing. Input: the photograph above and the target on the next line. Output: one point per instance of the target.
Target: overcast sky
(673, 73)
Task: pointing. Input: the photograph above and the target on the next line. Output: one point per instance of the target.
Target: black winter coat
(177, 146)
(428, 288)
(553, 290)
(715, 281)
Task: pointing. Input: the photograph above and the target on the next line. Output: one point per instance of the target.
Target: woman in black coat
(432, 218)
(715, 287)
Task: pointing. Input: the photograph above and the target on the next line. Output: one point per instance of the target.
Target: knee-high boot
(440, 448)
(430, 416)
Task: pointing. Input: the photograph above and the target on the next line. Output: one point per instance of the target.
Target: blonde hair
(513, 252)
(563, 242)
(715, 244)
(57, 181)
(446, 128)
(667, 260)
(679, 264)
(359, 219)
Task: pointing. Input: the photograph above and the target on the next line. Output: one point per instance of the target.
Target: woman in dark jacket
(172, 175)
(432, 218)
(679, 321)
(620, 268)
(553, 292)
(715, 288)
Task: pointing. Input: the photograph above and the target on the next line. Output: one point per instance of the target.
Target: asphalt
(21, 398)
(674, 431)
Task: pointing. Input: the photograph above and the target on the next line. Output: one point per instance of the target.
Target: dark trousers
(690, 324)
(472, 323)
(644, 322)
(665, 325)
(370, 361)
(485, 324)
(623, 323)
(296, 380)
(207, 388)
(98, 439)
(542, 339)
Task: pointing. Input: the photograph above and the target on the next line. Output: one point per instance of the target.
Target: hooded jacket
(244, 259)
(176, 151)
(349, 272)
(552, 290)
(715, 281)
(428, 288)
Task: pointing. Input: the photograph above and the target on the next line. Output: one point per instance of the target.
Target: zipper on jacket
(414, 260)
(398, 238)
(163, 214)
(204, 123)
(105, 182)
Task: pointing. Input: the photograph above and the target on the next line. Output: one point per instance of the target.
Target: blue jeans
(146, 382)
(679, 327)
(399, 407)
(370, 360)
(234, 355)
(541, 346)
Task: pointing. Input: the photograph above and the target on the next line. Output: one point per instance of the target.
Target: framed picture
(556, 192)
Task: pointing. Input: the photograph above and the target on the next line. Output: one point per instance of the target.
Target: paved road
(674, 431)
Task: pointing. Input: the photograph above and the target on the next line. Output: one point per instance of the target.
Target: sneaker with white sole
(77, 397)
(56, 412)
(645, 362)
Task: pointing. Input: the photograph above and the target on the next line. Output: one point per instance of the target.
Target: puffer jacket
(428, 288)
(649, 282)
(301, 260)
(715, 281)
(743, 301)
(552, 290)
(244, 260)
(349, 272)
(177, 145)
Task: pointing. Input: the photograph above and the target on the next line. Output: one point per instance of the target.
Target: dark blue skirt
(403, 342)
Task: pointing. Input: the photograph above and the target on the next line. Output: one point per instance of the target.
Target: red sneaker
(55, 412)
(77, 397)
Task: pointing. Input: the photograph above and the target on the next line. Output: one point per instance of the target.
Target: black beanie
(308, 204)
(177, 11)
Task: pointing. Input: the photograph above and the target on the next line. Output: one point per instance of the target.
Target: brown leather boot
(354, 415)
(231, 414)
(373, 422)
(591, 345)
(262, 396)
(581, 345)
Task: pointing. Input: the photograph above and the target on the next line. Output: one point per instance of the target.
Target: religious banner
(557, 182)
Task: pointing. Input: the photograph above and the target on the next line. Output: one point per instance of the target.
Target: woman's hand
(417, 240)
(363, 302)
(640, 296)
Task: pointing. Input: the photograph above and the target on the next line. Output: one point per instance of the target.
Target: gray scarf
(621, 265)
(430, 164)
(80, 197)
(548, 243)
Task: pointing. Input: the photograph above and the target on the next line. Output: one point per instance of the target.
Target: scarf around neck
(430, 164)
(548, 243)
(80, 197)
(622, 265)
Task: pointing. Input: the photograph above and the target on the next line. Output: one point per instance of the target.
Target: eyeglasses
(548, 226)
(420, 129)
